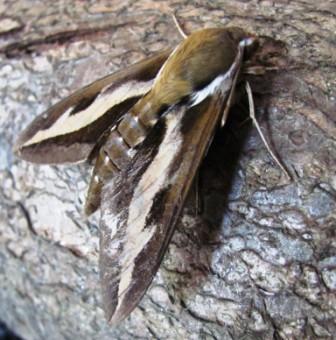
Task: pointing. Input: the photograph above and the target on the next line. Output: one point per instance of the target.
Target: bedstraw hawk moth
(147, 128)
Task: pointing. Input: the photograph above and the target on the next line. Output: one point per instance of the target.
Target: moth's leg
(198, 194)
(230, 100)
(179, 28)
(195, 196)
(255, 122)
(258, 70)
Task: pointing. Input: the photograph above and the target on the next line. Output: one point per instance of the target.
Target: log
(258, 263)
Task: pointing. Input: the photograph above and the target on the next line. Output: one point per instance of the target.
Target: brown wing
(69, 130)
(140, 207)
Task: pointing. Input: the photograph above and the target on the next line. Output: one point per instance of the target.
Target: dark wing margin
(141, 205)
(69, 130)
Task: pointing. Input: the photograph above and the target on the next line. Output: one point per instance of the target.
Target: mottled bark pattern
(259, 263)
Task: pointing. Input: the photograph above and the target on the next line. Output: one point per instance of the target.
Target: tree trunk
(258, 263)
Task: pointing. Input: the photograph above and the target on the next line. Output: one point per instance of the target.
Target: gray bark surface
(259, 263)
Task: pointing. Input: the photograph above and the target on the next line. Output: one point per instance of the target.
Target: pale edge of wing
(69, 130)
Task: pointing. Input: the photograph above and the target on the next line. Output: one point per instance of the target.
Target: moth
(147, 129)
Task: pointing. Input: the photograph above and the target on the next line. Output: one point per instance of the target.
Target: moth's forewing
(141, 205)
(69, 130)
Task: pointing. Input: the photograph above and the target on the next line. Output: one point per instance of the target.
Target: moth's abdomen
(117, 151)
(112, 157)
(132, 129)
(104, 170)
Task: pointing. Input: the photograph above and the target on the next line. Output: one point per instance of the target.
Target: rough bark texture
(259, 263)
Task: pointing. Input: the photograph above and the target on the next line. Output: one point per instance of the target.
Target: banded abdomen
(118, 148)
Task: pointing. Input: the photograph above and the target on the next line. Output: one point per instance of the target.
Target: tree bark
(258, 263)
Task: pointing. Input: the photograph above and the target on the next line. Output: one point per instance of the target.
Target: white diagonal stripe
(138, 234)
(67, 123)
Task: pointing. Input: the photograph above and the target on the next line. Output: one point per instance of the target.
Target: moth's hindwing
(142, 203)
(69, 130)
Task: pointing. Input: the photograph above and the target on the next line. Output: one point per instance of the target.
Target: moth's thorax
(197, 61)
(193, 65)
